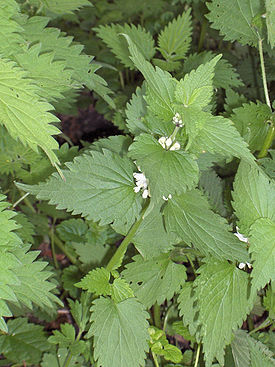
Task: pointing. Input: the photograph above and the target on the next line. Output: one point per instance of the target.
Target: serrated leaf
(223, 303)
(135, 111)
(187, 307)
(96, 281)
(270, 21)
(189, 216)
(262, 249)
(218, 135)
(225, 75)
(120, 290)
(161, 84)
(251, 120)
(175, 39)
(66, 339)
(72, 230)
(25, 116)
(253, 197)
(28, 340)
(234, 20)
(59, 358)
(159, 165)
(154, 280)
(64, 6)
(70, 276)
(197, 87)
(120, 332)
(80, 309)
(99, 186)
(111, 36)
(268, 164)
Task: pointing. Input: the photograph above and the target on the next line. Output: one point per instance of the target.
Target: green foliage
(270, 21)
(234, 20)
(120, 328)
(60, 7)
(154, 280)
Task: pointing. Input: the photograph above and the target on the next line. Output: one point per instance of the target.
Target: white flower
(243, 265)
(167, 143)
(177, 120)
(240, 236)
(168, 197)
(141, 184)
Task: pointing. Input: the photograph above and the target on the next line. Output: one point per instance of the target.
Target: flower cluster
(167, 143)
(177, 120)
(141, 184)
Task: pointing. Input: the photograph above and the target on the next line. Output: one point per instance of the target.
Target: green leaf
(225, 75)
(67, 339)
(64, 6)
(72, 230)
(270, 21)
(159, 165)
(218, 135)
(187, 307)
(120, 290)
(160, 346)
(135, 111)
(189, 215)
(234, 19)
(28, 340)
(70, 276)
(269, 300)
(223, 303)
(268, 164)
(262, 249)
(80, 310)
(59, 358)
(175, 39)
(161, 84)
(154, 280)
(253, 195)
(251, 120)
(96, 281)
(25, 116)
(197, 87)
(111, 36)
(98, 185)
(248, 352)
(120, 332)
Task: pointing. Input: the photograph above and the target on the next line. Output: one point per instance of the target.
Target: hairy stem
(197, 356)
(53, 247)
(157, 319)
(117, 258)
(263, 72)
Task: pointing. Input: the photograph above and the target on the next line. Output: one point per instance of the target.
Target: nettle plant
(191, 188)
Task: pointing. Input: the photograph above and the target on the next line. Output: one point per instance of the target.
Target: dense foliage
(158, 244)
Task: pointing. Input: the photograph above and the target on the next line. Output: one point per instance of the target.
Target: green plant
(172, 226)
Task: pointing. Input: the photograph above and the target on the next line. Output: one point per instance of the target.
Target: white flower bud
(175, 146)
(145, 194)
(169, 142)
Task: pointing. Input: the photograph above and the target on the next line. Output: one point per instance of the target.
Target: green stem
(121, 79)
(69, 355)
(23, 198)
(263, 72)
(166, 317)
(117, 258)
(174, 133)
(265, 324)
(155, 358)
(157, 319)
(53, 247)
(202, 34)
(197, 356)
(61, 246)
(192, 264)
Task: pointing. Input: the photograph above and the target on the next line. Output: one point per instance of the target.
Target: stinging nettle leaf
(234, 19)
(190, 217)
(120, 332)
(223, 302)
(197, 87)
(25, 116)
(169, 172)
(96, 281)
(154, 280)
(270, 21)
(262, 249)
(175, 39)
(100, 186)
(253, 196)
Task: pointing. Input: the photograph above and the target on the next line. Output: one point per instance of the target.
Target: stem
(202, 34)
(174, 133)
(69, 355)
(166, 317)
(263, 72)
(23, 198)
(117, 258)
(197, 356)
(157, 320)
(191, 263)
(53, 247)
(263, 325)
(121, 79)
(61, 246)
(155, 359)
